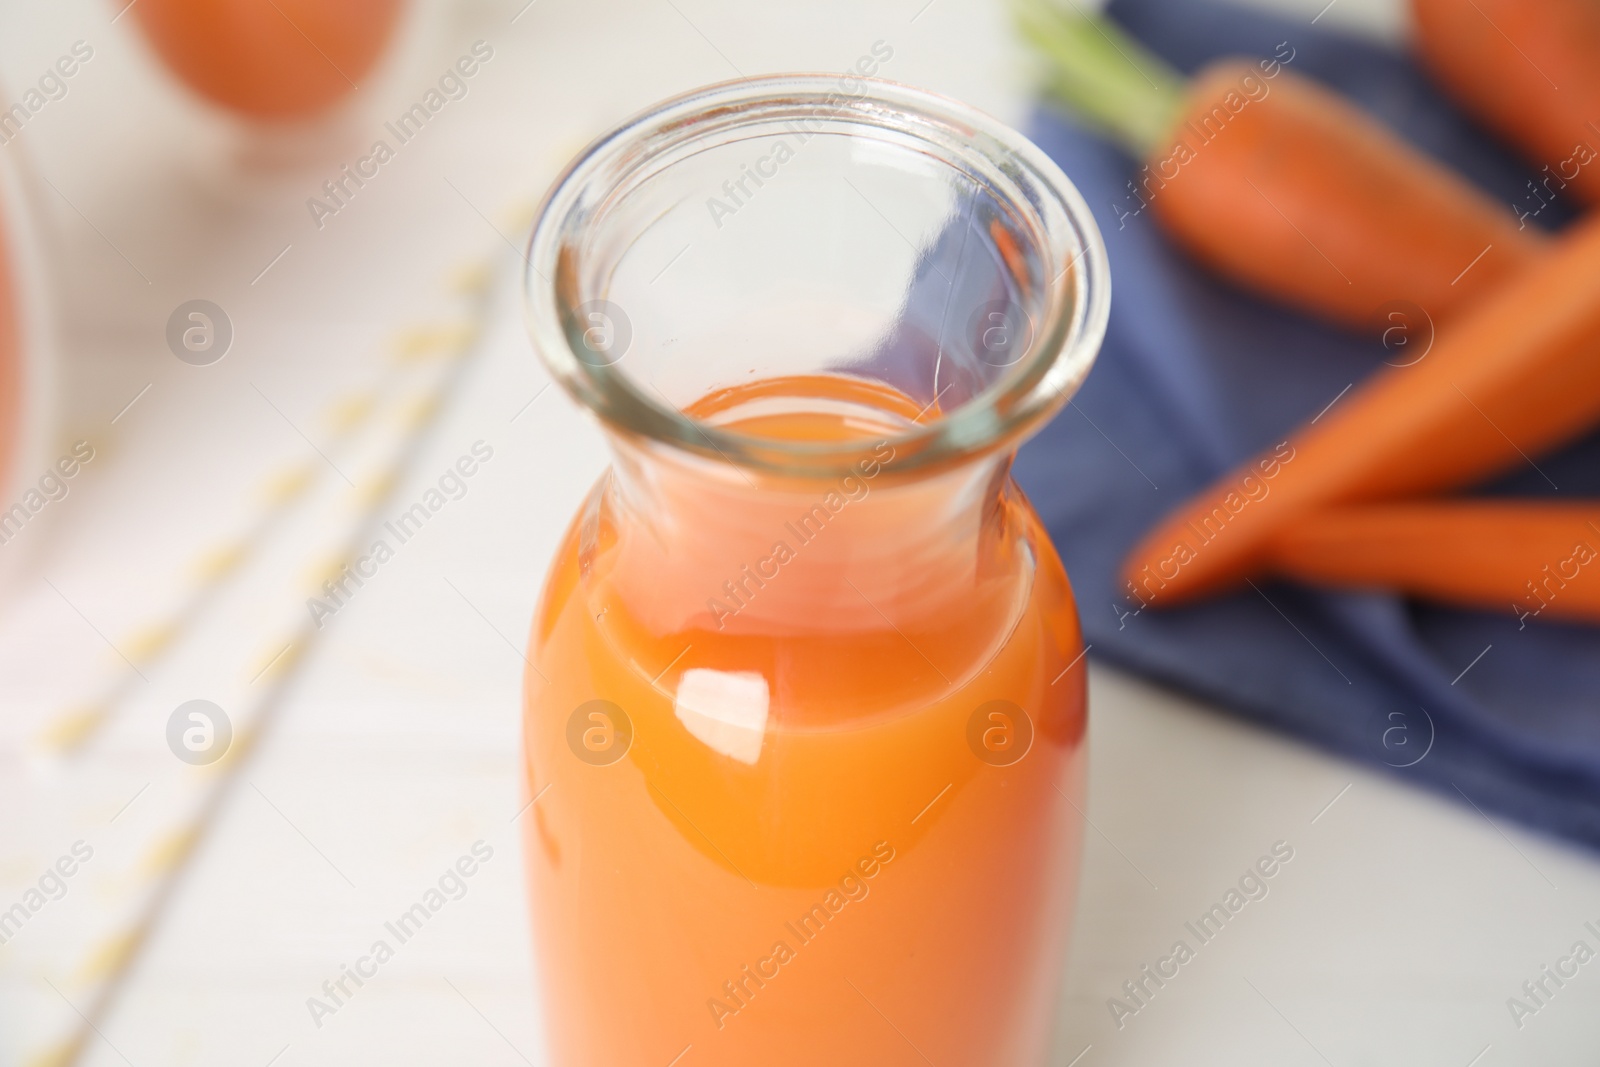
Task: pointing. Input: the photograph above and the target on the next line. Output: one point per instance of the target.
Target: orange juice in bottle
(805, 708)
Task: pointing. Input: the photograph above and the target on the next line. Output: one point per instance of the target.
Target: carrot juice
(804, 710)
(273, 60)
(805, 754)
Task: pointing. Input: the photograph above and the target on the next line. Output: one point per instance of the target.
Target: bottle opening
(778, 274)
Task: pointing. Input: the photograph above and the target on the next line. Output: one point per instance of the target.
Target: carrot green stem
(1102, 74)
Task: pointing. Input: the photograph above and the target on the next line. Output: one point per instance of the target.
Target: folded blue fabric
(1196, 376)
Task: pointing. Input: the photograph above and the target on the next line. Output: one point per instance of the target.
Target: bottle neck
(703, 546)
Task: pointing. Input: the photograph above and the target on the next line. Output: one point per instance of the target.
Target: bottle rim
(1001, 416)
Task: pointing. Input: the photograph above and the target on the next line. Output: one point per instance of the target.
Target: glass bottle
(28, 371)
(805, 710)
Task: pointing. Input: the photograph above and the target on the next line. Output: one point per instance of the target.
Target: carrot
(1514, 377)
(1540, 559)
(1530, 71)
(1277, 184)
(269, 59)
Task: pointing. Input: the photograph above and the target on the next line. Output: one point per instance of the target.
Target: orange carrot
(1307, 199)
(1529, 70)
(1539, 559)
(1279, 185)
(269, 59)
(1513, 378)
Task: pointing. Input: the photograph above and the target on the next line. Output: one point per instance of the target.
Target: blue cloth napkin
(1196, 376)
